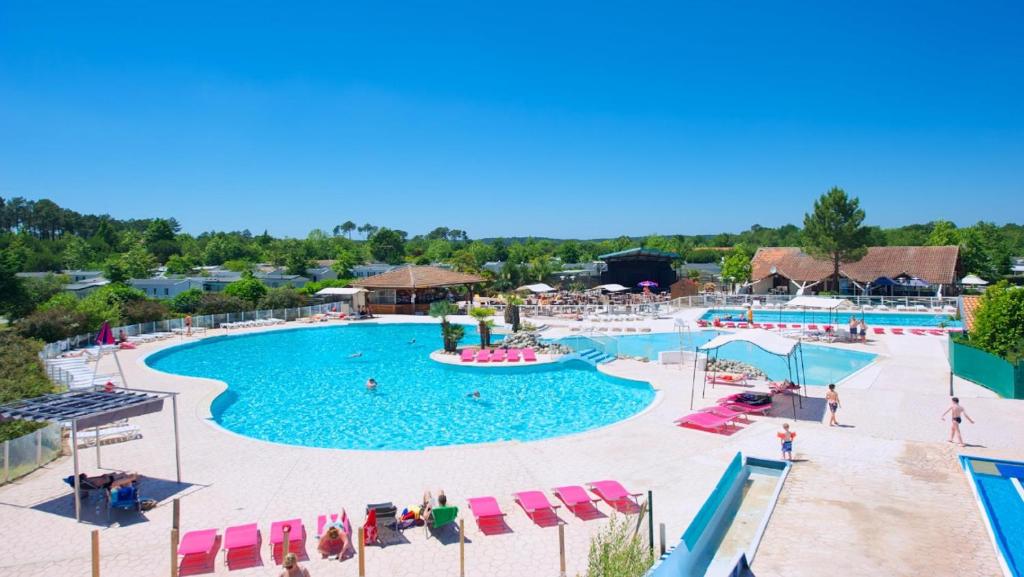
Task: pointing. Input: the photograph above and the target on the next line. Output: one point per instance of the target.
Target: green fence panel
(987, 370)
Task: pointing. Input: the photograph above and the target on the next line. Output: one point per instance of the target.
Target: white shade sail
(973, 280)
(537, 288)
(818, 302)
(340, 291)
(612, 288)
(764, 340)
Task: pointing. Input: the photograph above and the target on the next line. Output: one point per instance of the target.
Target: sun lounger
(467, 355)
(936, 332)
(485, 510)
(706, 421)
(198, 549)
(702, 323)
(513, 355)
(734, 412)
(483, 356)
(440, 517)
(296, 537)
(879, 330)
(725, 379)
(90, 437)
(917, 332)
(617, 497)
(736, 402)
(241, 542)
(576, 499)
(498, 356)
(812, 327)
(386, 520)
(529, 355)
(768, 326)
(730, 325)
(897, 331)
(535, 504)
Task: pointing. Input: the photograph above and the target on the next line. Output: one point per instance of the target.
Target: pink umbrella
(106, 335)
(647, 283)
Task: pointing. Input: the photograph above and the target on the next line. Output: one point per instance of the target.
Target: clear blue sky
(549, 119)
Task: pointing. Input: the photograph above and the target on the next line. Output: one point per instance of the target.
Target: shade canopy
(883, 281)
(973, 280)
(536, 288)
(915, 282)
(86, 408)
(335, 291)
(818, 302)
(612, 288)
(764, 340)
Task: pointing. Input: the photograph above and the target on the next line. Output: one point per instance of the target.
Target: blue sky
(549, 119)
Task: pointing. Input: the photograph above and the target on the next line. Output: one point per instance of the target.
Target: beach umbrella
(647, 283)
(973, 280)
(106, 335)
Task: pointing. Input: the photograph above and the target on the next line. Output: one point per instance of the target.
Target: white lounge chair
(90, 437)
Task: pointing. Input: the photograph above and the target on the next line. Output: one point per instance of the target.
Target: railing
(27, 453)
(605, 344)
(54, 349)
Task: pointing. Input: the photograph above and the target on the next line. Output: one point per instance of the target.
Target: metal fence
(54, 349)
(27, 453)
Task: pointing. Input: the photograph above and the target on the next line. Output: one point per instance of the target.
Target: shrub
(282, 298)
(248, 289)
(999, 322)
(22, 377)
(53, 324)
(187, 302)
(218, 303)
(311, 288)
(143, 311)
(618, 551)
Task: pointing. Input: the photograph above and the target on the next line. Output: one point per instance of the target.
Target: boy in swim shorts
(787, 436)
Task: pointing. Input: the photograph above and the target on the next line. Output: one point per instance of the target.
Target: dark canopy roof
(639, 252)
(87, 408)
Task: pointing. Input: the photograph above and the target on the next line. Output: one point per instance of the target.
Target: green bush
(218, 303)
(618, 551)
(53, 324)
(248, 289)
(22, 377)
(143, 312)
(311, 288)
(187, 302)
(284, 297)
(999, 322)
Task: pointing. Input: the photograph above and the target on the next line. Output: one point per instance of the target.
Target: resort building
(81, 282)
(884, 270)
(371, 269)
(411, 289)
(165, 288)
(320, 273)
(631, 267)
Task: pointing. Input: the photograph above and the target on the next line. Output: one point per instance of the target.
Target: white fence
(54, 349)
(27, 453)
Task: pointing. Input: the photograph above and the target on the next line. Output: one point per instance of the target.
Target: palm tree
(512, 303)
(451, 334)
(483, 315)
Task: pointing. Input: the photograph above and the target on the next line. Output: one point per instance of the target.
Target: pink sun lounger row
(498, 355)
(541, 511)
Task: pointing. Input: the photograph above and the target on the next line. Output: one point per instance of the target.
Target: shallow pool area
(997, 485)
(836, 318)
(307, 387)
(823, 364)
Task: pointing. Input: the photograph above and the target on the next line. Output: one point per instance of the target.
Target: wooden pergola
(411, 289)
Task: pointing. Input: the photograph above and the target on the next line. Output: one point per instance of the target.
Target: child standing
(787, 436)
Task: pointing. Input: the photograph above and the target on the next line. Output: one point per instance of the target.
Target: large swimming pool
(301, 387)
(823, 365)
(840, 318)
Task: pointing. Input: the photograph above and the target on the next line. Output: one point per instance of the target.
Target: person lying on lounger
(334, 541)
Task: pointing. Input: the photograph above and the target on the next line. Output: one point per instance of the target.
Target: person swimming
(355, 355)
(475, 395)
(371, 385)
(412, 342)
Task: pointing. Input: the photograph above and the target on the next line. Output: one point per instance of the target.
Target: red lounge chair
(529, 355)
(498, 356)
(485, 510)
(198, 549)
(879, 330)
(812, 327)
(467, 355)
(483, 356)
(576, 500)
(296, 537)
(917, 332)
(241, 542)
(782, 325)
(936, 332)
(897, 331)
(755, 325)
(536, 504)
(705, 421)
(613, 493)
(513, 355)
(794, 326)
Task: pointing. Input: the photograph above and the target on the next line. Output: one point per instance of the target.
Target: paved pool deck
(883, 495)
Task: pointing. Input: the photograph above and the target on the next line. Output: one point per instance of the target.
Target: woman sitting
(334, 541)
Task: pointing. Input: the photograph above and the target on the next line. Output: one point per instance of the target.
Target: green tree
(944, 233)
(22, 377)
(248, 289)
(187, 302)
(834, 231)
(540, 269)
(344, 261)
(984, 251)
(284, 297)
(178, 264)
(297, 263)
(159, 239)
(737, 265)
(999, 322)
(451, 333)
(53, 324)
(14, 299)
(137, 262)
(219, 303)
(143, 311)
(77, 254)
(387, 245)
(512, 304)
(345, 228)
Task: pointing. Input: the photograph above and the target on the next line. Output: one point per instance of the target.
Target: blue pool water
(824, 365)
(841, 319)
(300, 387)
(1003, 505)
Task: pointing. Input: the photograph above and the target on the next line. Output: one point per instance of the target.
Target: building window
(167, 292)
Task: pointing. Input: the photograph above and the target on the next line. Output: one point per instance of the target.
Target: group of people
(858, 329)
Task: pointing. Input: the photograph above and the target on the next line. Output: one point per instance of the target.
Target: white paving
(883, 496)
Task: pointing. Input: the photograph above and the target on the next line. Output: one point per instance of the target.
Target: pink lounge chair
(879, 330)
(498, 356)
(705, 421)
(467, 355)
(529, 355)
(346, 527)
(794, 326)
(198, 549)
(755, 325)
(782, 326)
(936, 332)
(733, 402)
(897, 331)
(741, 325)
(241, 543)
(617, 497)
(735, 412)
(769, 326)
(536, 505)
(577, 500)
(513, 355)
(485, 510)
(483, 356)
(812, 327)
(296, 537)
(917, 332)
(702, 323)
(730, 325)
(321, 522)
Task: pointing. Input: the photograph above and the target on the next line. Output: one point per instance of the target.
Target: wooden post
(174, 552)
(462, 548)
(661, 531)
(362, 550)
(176, 514)
(287, 541)
(561, 549)
(650, 520)
(95, 553)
